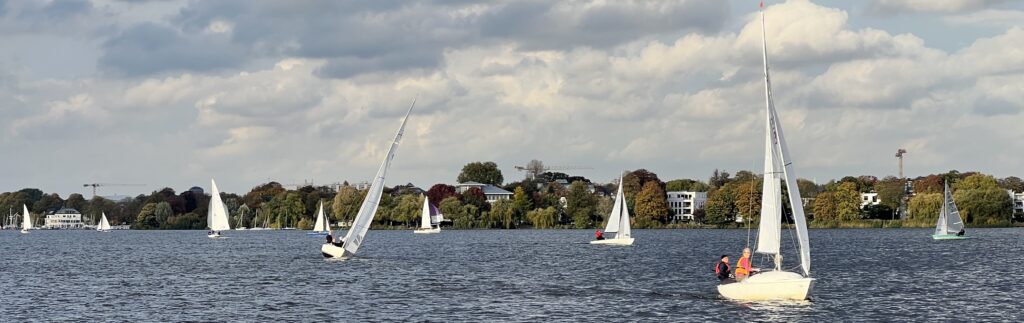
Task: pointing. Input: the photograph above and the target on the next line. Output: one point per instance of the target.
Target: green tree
(721, 205)
(748, 198)
(346, 203)
(543, 218)
(808, 189)
(163, 212)
(686, 185)
(924, 206)
(1012, 183)
(481, 172)
(976, 182)
(604, 209)
(890, 191)
(825, 207)
(504, 213)
(580, 205)
(984, 205)
(651, 206)
(408, 210)
(521, 202)
(147, 218)
(848, 201)
(75, 201)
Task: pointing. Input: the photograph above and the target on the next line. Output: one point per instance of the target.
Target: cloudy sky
(172, 93)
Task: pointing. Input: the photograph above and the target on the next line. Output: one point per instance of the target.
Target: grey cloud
(149, 48)
(63, 9)
(896, 7)
(991, 107)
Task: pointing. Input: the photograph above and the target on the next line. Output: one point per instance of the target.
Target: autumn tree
(651, 206)
(580, 205)
(346, 203)
(481, 172)
(439, 192)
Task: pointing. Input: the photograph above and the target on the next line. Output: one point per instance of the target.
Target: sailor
(598, 235)
(743, 269)
(330, 238)
(961, 233)
(722, 270)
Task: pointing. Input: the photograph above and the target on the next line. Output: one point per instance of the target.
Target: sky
(174, 93)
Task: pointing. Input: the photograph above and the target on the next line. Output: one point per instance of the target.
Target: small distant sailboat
(430, 219)
(217, 215)
(322, 226)
(103, 226)
(239, 226)
(775, 284)
(950, 224)
(354, 238)
(26, 222)
(618, 223)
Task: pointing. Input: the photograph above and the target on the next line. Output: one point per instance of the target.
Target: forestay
(354, 237)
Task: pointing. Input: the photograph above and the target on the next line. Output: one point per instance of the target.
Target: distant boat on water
(354, 238)
(323, 225)
(26, 222)
(949, 224)
(217, 215)
(776, 284)
(430, 218)
(103, 226)
(618, 223)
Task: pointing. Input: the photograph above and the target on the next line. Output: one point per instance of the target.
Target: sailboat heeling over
(26, 219)
(354, 237)
(776, 148)
(217, 216)
(949, 216)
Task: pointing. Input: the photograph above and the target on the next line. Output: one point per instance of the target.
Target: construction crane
(95, 185)
(536, 167)
(899, 155)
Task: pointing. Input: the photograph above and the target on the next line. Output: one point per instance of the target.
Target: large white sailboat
(618, 223)
(26, 219)
(103, 226)
(322, 225)
(430, 218)
(347, 247)
(217, 215)
(949, 225)
(776, 284)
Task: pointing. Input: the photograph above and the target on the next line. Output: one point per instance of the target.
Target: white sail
(321, 220)
(354, 237)
(615, 218)
(777, 143)
(625, 231)
(103, 225)
(425, 217)
(217, 215)
(949, 216)
(770, 229)
(26, 219)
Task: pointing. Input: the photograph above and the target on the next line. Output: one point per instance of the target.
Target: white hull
(214, 236)
(332, 251)
(103, 230)
(426, 231)
(240, 229)
(615, 242)
(24, 231)
(769, 286)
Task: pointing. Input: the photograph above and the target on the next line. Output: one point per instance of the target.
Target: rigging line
(750, 204)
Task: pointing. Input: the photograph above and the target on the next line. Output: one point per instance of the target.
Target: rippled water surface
(514, 275)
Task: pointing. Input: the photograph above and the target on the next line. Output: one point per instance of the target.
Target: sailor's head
(746, 251)
(725, 258)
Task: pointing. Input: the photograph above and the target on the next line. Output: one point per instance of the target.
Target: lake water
(495, 275)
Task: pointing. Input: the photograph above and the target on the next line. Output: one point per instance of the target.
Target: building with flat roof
(66, 218)
(683, 204)
(1018, 203)
(869, 199)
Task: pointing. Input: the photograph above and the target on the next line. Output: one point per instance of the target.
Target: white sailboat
(776, 284)
(217, 215)
(103, 226)
(949, 224)
(427, 222)
(26, 219)
(354, 238)
(618, 223)
(239, 226)
(322, 225)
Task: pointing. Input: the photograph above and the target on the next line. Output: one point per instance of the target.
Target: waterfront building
(491, 192)
(66, 218)
(1018, 202)
(869, 199)
(683, 204)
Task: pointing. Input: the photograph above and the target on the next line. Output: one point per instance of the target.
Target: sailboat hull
(24, 231)
(948, 237)
(769, 286)
(614, 242)
(215, 236)
(428, 231)
(332, 251)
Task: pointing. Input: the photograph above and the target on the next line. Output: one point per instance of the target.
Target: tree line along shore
(556, 200)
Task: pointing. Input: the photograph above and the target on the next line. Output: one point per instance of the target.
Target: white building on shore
(1018, 202)
(66, 218)
(683, 204)
(869, 199)
(491, 192)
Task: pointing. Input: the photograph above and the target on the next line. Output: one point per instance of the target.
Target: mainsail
(354, 237)
(217, 216)
(26, 222)
(949, 217)
(618, 220)
(776, 160)
(425, 217)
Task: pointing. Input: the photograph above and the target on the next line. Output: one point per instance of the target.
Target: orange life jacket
(743, 266)
(717, 271)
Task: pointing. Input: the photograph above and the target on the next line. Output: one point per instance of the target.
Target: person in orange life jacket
(598, 235)
(722, 270)
(743, 269)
